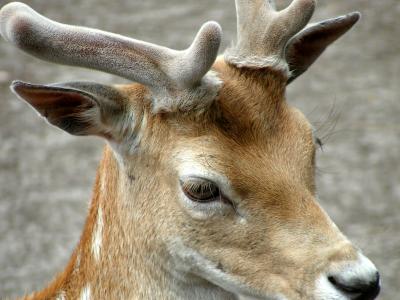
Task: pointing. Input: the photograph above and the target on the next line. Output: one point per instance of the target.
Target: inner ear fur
(79, 108)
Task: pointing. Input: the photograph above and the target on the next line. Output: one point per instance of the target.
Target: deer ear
(305, 47)
(78, 108)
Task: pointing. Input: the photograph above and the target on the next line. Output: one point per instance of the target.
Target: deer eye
(200, 190)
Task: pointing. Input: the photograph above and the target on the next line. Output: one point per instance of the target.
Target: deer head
(207, 185)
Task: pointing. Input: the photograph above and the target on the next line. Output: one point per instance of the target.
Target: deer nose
(359, 280)
(359, 289)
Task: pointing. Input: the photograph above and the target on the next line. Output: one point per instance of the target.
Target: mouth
(370, 295)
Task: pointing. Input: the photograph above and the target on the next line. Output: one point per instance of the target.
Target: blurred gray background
(46, 175)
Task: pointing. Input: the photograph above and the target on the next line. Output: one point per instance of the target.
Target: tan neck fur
(128, 261)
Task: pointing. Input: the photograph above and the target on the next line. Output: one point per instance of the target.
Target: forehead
(249, 125)
(237, 147)
(229, 136)
(251, 103)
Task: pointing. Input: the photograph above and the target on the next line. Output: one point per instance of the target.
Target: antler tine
(160, 68)
(190, 69)
(263, 32)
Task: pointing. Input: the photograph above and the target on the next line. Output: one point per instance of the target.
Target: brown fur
(265, 148)
(145, 237)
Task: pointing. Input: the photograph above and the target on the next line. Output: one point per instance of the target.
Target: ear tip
(20, 88)
(17, 84)
(355, 16)
(350, 19)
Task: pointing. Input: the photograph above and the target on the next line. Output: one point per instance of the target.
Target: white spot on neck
(103, 183)
(61, 296)
(77, 262)
(97, 237)
(85, 293)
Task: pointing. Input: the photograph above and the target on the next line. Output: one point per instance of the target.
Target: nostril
(344, 287)
(360, 289)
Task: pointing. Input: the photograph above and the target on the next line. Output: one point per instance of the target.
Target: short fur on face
(271, 241)
(191, 117)
(274, 239)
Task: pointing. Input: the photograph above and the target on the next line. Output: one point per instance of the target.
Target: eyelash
(216, 199)
(320, 143)
(195, 187)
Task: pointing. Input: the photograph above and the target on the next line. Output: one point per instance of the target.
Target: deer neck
(119, 256)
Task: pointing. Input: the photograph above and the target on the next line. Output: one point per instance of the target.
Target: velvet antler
(176, 78)
(263, 32)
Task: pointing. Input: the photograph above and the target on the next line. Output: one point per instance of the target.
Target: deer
(206, 188)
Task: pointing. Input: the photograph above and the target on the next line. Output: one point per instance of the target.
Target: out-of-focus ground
(46, 175)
